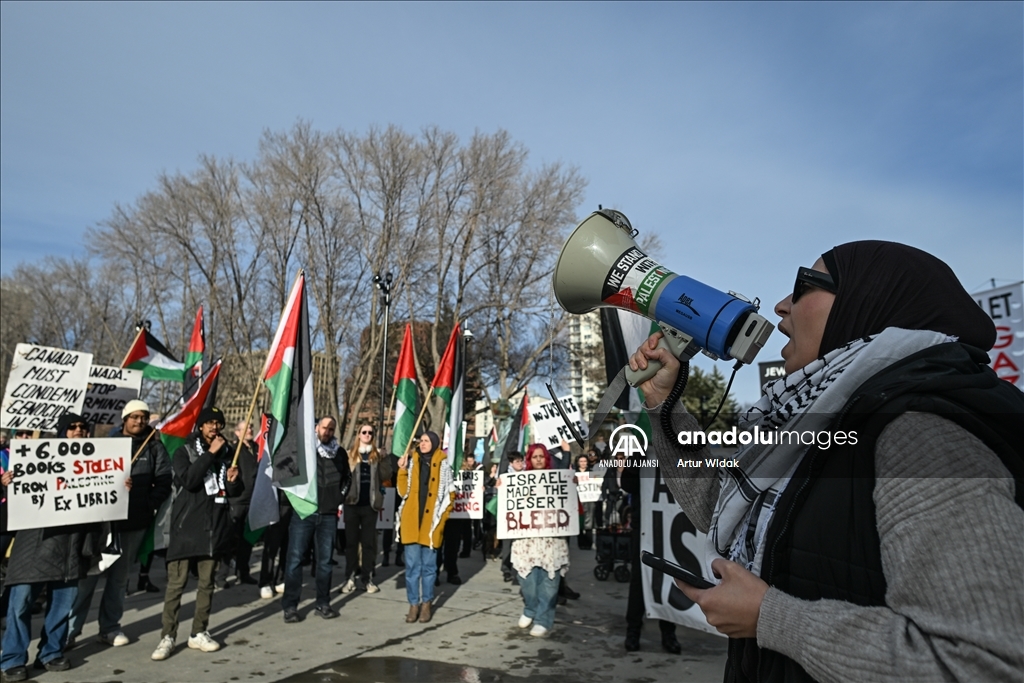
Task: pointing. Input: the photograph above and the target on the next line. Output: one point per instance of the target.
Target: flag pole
(131, 346)
(390, 413)
(248, 421)
(139, 452)
(412, 434)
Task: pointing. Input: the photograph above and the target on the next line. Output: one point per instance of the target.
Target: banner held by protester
(537, 503)
(45, 382)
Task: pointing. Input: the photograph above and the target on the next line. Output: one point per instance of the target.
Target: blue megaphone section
(705, 313)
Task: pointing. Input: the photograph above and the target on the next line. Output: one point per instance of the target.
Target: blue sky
(751, 137)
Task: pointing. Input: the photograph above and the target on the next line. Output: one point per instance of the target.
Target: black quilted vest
(823, 540)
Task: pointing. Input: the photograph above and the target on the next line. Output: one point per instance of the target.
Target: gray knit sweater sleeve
(694, 488)
(952, 542)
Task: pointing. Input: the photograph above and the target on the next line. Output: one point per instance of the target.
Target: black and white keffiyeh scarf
(327, 450)
(807, 400)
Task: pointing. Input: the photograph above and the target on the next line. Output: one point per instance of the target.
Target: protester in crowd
(54, 558)
(613, 500)
(893, 557)
(491, 546)
(388, 535)
(458, 539)
(275, 550)
(333, 478)
(150, 485)
(201, 529)
(242, 553)
(365, 499)
(5, 536)
(635, 608)
(586, 537)
(516, 463)
(539, 562)
(426, 486)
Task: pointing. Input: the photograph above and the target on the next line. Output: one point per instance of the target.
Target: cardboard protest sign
(44, 384)
(1005, 305)
(588, 486)
(538, 503)
(109, 391)
(67, 481)
(666, 532)
(386, 516)
(548, 426)
(469, 495)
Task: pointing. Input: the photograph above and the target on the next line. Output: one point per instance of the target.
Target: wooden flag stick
(248, 421)
(412, 435)
(139, 452)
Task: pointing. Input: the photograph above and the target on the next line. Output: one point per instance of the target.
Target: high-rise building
(586, 360)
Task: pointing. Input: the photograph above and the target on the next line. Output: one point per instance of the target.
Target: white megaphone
(601, 265)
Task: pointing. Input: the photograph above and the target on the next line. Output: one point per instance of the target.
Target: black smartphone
(674, 570)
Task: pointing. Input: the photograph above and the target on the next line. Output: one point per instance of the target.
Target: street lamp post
(383, 283)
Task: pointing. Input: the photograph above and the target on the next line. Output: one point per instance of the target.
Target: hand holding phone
(674, 570)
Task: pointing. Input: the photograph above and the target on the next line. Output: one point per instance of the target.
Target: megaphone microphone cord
(677, 391)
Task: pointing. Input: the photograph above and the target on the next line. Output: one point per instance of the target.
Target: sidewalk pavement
(472, 637)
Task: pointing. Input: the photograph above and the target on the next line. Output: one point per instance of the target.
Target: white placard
(538, 503)
(666, 532)
(44, 384)
(1005, 305)
(548, 426)
(469, 495)
(588, 486)
(58, 482)
(109, 391)
(386, 516)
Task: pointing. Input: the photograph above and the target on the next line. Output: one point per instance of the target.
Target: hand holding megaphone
(653, 368)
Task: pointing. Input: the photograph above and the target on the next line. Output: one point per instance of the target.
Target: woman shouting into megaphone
(888, 545)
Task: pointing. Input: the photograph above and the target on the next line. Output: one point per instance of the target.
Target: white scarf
(749, 492)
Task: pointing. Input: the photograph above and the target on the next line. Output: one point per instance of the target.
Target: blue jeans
(19, 622)
(420, 566)
(320, 528)
(540, 595)
(112, 601)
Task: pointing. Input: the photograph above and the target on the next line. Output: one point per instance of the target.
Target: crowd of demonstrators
(586, 537)
(365, 499)
(150, 483)
(238, 562)
(490, 545)
(516, 463)
(201, 531)
(425, 483)
(333, 478)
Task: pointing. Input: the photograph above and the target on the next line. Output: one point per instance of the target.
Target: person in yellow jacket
(427, 488)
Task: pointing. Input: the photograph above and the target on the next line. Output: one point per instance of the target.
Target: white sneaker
(279, 588)
(349, 586)
(525, 621)
(266, 592)
(538, 631)
(115, 638)
(203, 641)
(371, 587)
(164, 649)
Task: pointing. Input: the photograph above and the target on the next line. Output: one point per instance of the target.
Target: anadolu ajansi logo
(625, 444)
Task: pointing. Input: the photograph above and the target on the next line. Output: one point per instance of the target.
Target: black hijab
(886, 284)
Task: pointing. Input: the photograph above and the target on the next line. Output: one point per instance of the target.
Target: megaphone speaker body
(601, 265)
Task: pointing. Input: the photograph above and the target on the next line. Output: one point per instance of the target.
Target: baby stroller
(613, 541)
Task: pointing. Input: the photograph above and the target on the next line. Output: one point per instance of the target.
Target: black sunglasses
(807, 277)
(80, 426)
(367, 431)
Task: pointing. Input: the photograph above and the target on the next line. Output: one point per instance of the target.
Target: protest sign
(386, 516)
(537, 503)
(44, 384)
(548, 426)
(469, 495)
(67, 481)
(588, 486)
(1005, 305)
(109, 391)
(666, 532)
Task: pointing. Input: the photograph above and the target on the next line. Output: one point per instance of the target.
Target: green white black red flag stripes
(449, 384)
(196, 347)
(153, 358)
(405, 396)
(288, 376)
(175, 428)
(525, 433)
(263, 508)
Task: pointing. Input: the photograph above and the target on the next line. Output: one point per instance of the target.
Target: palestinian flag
(153, 358)
(263, 510)
(196, 347)
(525, 433)
(405, 396)
(176, 427)
(288, 376)
(518, 436)
(449, 384)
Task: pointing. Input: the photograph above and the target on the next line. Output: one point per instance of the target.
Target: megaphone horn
(601, 265)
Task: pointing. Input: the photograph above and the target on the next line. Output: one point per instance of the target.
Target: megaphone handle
(677, 346)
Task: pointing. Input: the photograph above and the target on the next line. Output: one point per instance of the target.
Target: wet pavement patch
(406, 670)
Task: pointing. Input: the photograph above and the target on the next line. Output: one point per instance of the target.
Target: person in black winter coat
(204, 480)
(51, 557)
(242, 552)
(150, 483)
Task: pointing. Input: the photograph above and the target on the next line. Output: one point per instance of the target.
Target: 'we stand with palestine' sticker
(633, 280)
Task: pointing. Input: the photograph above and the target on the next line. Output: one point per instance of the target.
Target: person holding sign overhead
(426, 486)
(201, 529)
(540, 561)
(54, 557)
